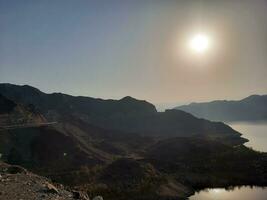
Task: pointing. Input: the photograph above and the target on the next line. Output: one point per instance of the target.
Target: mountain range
(121, 149)
(126, 115)
(251, 108)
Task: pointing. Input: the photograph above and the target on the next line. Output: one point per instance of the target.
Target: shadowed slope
(128, 115)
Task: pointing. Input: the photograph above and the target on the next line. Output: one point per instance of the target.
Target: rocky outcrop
(98, 198)
(17, 183)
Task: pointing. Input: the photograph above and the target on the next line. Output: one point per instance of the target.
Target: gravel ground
(18, 184)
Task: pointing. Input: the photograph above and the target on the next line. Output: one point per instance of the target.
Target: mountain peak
(128, 98)
(7, 88)
(253, 97)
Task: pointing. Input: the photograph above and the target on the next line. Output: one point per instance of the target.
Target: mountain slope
(121, 164)
(66, 104)
(60, 148)
(13, 114)
(127, 114)
(249, 109)
(202, 163)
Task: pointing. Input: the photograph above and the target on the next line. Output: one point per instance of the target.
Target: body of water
(256, 132)
(237, 193)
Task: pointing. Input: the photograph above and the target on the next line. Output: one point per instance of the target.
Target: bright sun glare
(199, 43)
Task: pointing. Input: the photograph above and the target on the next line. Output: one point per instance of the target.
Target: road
(27, 125)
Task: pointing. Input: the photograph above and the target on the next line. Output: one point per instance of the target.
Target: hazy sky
(111, 48)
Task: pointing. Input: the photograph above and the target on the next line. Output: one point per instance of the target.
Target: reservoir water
(256, 132)
(237, 193)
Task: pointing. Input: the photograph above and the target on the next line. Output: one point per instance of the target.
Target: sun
(199, 43)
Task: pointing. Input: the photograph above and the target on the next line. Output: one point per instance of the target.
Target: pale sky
(116, 48)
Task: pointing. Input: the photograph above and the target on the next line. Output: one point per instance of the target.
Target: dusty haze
(111, 49)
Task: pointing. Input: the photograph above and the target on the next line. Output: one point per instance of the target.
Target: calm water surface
(256, 132)
(242, 193)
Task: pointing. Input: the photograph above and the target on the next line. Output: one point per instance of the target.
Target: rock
(80, 195)
(98, 198)
(28, 186)
(16, 170)
(51, 188)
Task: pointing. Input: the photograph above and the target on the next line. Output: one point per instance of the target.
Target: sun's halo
(199, 43)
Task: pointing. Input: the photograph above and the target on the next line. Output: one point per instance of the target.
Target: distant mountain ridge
(128, 115)
(250, 108)
(27, 94)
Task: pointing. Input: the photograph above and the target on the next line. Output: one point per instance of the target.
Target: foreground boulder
(80, 195)
(98, 198)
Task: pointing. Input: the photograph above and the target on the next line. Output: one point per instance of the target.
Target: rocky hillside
(58, 103)
(127, 115)
(137, 179)
(14, 114)
(16, 183)
(60, 148)
(201, 163)
(137, 155)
